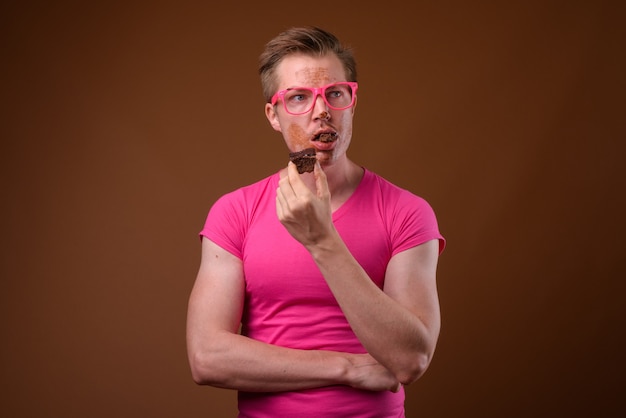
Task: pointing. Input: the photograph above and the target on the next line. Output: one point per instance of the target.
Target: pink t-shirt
(289, 304)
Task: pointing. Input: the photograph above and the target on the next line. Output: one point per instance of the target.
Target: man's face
(303, 131)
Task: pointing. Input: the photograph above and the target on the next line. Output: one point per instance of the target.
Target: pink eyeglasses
(301, 100)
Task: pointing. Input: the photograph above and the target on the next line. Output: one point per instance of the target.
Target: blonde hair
(308, 40)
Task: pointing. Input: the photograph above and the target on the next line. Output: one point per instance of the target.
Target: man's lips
(324, 141)
(326, 137)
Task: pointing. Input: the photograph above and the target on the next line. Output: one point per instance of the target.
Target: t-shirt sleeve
(415, 224)
(224, 224)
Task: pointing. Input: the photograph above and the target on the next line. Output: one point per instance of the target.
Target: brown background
(122, 122)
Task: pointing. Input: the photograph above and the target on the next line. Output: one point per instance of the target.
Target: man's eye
(297, 96)
(334, 93)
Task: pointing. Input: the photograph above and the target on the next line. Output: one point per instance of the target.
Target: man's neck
(343, 179)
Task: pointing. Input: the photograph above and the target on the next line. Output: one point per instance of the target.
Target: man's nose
(320, 108)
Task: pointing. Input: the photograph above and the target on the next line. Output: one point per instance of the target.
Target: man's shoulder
(386, 186)
(393, 195)
(255, 188)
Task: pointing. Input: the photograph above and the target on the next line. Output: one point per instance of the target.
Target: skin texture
(398, 325)
(299, 131)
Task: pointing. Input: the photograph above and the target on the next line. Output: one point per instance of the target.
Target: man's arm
(399, 325)
(220, 357)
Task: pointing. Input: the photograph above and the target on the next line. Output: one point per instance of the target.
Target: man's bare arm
(399, 325)
(220, 357)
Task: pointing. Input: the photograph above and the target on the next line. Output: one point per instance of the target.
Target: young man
(330, 273)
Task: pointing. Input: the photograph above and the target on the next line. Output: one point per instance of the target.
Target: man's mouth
(326, 137)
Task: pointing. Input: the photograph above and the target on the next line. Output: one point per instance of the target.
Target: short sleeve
(414, 223)
(224, 224)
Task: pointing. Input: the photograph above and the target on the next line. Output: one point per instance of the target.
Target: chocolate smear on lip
(304, 159)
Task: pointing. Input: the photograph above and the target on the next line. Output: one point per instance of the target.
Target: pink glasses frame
(317, 91)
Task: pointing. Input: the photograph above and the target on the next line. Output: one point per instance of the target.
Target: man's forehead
(306, 69)
(313, 75)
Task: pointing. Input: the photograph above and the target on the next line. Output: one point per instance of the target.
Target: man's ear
(272, 117)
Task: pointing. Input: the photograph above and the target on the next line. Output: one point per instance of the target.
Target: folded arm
(398, 325)
(220, 356)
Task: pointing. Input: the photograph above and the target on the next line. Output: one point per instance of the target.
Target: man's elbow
(198, 368)
(413, 371)
(203, 372)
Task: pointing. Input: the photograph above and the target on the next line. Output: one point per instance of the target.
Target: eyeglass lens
(301, 100)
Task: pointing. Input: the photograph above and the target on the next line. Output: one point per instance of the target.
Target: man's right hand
(368, 374)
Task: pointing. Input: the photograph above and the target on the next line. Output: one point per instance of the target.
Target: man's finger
(321, 184)
(279, 205)
(284, 183)
(297, 185)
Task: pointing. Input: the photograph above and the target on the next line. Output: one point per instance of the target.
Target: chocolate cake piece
(304, 160)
